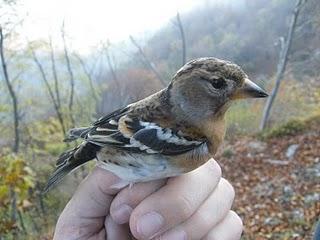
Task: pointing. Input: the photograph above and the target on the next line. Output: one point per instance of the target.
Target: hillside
(277, 182)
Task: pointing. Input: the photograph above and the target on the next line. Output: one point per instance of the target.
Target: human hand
(195, 205)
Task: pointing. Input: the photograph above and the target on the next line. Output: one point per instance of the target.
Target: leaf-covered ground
(277, 183)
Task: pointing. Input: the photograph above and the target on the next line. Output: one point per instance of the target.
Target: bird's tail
(76, 133)
(69, 161)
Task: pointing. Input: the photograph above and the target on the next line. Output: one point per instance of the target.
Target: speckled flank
(144, 167)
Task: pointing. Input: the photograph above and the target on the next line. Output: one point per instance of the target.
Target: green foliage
(314, 119)
(290, 128)
(17, 178)
(55, 148)
(45, 132)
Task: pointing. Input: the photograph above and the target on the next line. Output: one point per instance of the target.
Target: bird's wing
(134, 135)
(116, 115)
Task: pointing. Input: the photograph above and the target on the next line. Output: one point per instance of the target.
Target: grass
(290, 128)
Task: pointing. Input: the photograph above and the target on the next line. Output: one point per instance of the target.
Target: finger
(84, 214)
(210, 213)
(116, 231)
(230, 228)
(175, 202)
(128, 198)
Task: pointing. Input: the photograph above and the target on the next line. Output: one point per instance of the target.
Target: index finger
(175, 202)
(85, 213)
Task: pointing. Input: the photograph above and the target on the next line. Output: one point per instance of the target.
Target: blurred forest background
(47, 87)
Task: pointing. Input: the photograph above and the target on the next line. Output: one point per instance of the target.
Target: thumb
(85, 213)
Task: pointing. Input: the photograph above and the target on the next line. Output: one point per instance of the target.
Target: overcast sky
(88, 22)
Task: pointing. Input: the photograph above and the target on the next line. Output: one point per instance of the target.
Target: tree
(55, 99)
(71, 76)
(88, 73)
(16, 119)
(148, 62)
(54, 73)
(283, 59)
(12, 93)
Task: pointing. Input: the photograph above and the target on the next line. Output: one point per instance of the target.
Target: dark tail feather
(76, 133)
(69, 161)
(57, 176)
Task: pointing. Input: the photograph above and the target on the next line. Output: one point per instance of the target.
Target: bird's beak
(249, 90)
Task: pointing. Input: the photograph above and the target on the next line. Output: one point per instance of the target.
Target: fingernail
(122, 214)
(175, 235)
(149, 224)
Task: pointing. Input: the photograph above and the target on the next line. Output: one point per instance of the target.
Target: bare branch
(16, 119)
(111, 67)
(183, 39)
(88, 74)
(54, 73)
(148, 62)
(12, 94)
(16, 76)
(283, 59)
(71, 76)
(50, 91)
(120, 88)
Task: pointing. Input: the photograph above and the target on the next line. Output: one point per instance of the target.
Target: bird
(166, 134)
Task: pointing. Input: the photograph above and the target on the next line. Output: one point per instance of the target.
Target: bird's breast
(214, 129)
(133, 167)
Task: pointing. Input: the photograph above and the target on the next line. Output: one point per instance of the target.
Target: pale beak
(249, 90)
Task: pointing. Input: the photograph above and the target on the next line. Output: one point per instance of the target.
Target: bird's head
(206, 87)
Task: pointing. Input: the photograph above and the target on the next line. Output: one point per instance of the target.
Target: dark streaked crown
(210, 65)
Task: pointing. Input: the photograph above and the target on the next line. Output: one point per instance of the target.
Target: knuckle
(215, 168)
(228, 189)
(232, 228)
(205, 219)
(117, 201)
(236, 220)
(185, 206)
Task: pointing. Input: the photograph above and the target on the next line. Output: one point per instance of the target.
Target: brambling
(166, 134)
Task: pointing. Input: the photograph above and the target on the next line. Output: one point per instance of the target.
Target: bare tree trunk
(54, 72)
(22, 222)
(16, 118)
(50, 91)
(115, 77)
(113, 72)
(283, 59)
(71, 76)
(12, 95)
(148, 62)
(183, 40)
(121, 89)
(14, 210)
(95, 95)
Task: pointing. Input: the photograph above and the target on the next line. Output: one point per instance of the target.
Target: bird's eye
(218, 83)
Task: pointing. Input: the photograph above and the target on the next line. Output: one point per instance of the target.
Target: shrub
(290, 128)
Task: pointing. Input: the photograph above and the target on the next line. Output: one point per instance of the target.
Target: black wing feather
(116, 115)
(149, 137)
(69, 161)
